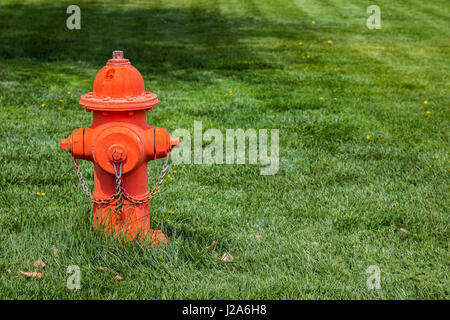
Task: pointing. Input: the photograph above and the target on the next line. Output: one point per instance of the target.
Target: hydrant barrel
(120, 142)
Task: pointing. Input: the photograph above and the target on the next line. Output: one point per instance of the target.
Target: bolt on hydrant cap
(174, 142)
(65, 144)
(117, 58)
(117, 54)
(119, 86)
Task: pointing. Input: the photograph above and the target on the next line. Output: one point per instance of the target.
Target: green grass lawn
(335, 207)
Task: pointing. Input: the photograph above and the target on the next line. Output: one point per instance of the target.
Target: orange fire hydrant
(120, 143)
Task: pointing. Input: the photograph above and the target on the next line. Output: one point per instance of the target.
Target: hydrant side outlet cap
(119, 86)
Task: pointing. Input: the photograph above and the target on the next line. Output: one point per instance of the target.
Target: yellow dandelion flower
(330, 41)
(428, 112)
(38, 193)
(174, 171)
(307, 57)
(300, 43)
(335, 99)
(170, 212)
(425, 102)
(199, 199)
(61, 100)
(43, 194)
(159, 191)
(68, 92)
(230, 92)
(367, 137)
(43, 105)
(59, 108)
(313, 22)
(321, 98)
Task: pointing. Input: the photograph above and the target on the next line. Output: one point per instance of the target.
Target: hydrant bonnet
(119, 86)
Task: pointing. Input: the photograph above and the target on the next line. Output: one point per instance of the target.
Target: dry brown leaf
(31, 274)
(39, 263)
(118, 278)
(212, 245)
(105, 269)
(403, 230)
(226, 257)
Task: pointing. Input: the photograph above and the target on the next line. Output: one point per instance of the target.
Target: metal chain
(80, 177)
(119, 189)
(154, 190)
(120, 194)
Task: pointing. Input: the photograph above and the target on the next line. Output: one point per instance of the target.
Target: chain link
(119, 190)
(155, 189)
(120, 194)
(80, 177)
